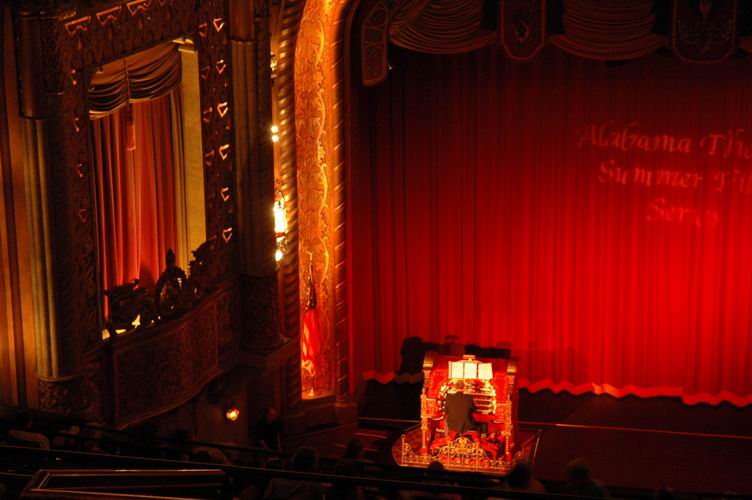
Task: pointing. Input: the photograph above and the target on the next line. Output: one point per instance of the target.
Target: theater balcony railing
(160, 346)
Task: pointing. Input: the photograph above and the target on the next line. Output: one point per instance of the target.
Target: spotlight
(232, 412)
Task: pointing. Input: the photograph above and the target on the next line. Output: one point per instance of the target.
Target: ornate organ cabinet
(491, 445)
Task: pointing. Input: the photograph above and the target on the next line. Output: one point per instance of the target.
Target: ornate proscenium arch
(320, 141)
(520, 30)
(320, 80)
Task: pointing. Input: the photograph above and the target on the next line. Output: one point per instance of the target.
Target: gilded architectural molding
(159, 371)
(320, 141)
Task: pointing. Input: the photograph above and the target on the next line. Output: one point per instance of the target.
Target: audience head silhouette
(520, 475)
(305, 459)
(354, 449)
(581, 481)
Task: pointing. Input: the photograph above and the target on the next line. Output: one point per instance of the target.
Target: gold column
(322, 195)
(43, 125)
(189, 181)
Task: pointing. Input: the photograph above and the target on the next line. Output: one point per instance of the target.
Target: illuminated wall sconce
(280, 223)
(232, 412)
(275, 133)
(273, 66)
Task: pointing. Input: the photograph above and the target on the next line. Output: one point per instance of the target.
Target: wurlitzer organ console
(490, 445)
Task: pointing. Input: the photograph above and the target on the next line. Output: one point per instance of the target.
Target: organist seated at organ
(458, 410)
(471, 398)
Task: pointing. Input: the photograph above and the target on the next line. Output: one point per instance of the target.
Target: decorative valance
(142, 76)
(704, 31)
(442, 27)
(610, 31)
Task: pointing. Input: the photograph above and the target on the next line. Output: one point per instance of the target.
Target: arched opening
(596, 272)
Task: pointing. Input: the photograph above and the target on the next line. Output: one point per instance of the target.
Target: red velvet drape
(136, 191)
(485, 204)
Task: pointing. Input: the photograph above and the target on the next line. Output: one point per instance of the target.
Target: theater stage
(631, 443)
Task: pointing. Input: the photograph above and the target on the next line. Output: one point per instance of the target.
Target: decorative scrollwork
(130, 307)
(461, 453)
(134, 307)
(202, 268)
(63, 396)
(170, 293)
(704, 31)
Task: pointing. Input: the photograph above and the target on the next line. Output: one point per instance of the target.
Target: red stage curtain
(136, 191)
(483, 206)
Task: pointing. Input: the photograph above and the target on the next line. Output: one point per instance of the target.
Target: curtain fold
(593, 29)
(550, 205)
(441, 27)
(145, 75)
(136, 191)
(609, 31)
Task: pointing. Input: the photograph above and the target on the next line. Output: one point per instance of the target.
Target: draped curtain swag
(592, 29)
(611, 31)
(135, 110)
(145, 75)
(441, 27)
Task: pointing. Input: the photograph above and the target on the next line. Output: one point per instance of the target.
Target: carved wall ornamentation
(61, 396)
(374, 42)
(314, 176)
(704, 31)
(74, 43)
(94, 383)
(175, 292)
(320, 140)
(216, 124)
(260, 312)
(522, 28)
(171, 364)
(228, 314)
